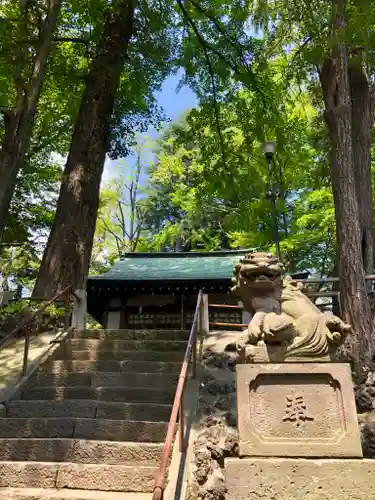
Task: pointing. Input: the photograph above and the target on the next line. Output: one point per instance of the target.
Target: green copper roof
(174, 266)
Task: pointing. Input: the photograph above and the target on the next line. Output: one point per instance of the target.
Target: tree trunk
(336, 90)
(67, 255)
(361, 140)
(335, 288)
(19, 121)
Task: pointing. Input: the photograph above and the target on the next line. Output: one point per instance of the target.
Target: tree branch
(140, 219)
(56, 39)
(205, 44)
(205, 47)
(236, 45)
(122, 222)
(298, 51)
(117, 239)
(216, 111)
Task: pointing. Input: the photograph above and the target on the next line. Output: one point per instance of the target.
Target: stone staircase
(92, 421)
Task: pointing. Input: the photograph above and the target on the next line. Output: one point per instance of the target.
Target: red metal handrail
(177, 408)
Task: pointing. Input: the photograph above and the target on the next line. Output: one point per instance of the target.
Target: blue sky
(174, 105)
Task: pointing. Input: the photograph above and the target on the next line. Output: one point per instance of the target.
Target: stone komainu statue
(282, 315)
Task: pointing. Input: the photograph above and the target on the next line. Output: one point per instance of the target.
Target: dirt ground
(11, 358)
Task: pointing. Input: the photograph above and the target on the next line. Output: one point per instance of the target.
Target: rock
(231, 347)
(370, 380)
(368, 440)
(231, 444)
(201, 474)
(211, 421)
(208, 411)
(193, 491)
(218, 493)
(371, 391)
(217, 452)
(213, 444)
(217, 387)
(211, 359)
(231, 418)
(3, 411)
(363, 400)
(202, 456)
(226, 401)
(226, 361)
(232, 362)
(366, 418)
(215, 485)
(202, 464)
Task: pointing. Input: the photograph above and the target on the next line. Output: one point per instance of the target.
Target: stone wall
(365, 402)
(216, 432)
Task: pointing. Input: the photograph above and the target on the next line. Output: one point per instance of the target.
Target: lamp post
(269, 148)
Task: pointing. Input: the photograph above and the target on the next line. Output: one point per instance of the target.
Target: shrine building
(159, 290)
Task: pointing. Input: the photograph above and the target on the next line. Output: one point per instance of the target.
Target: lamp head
(269, 148)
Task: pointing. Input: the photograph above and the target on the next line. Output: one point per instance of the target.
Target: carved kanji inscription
(296, 410)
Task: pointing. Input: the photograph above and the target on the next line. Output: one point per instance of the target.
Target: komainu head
(259, 270)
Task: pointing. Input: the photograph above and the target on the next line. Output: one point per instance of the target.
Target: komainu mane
(282, 315)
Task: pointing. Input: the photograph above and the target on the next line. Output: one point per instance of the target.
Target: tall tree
(67, 255)
(19, 120)
(337, 96)
(121, 213)
(361, 74)
(362, 123)
(66, 259)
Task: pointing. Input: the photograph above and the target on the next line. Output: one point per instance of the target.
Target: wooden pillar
(205, 316)
(246, 317)
(115, 314)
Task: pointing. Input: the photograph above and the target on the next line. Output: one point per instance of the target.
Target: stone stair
(92, 421)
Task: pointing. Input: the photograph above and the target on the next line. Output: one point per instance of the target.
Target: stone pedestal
(297, 410)
(300, 410)
(299, 479)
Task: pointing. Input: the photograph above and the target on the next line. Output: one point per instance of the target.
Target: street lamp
(269, 148)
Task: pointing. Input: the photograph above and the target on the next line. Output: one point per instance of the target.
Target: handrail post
(198, 331)
(25, 352)
(205, 315)
(79, 309)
